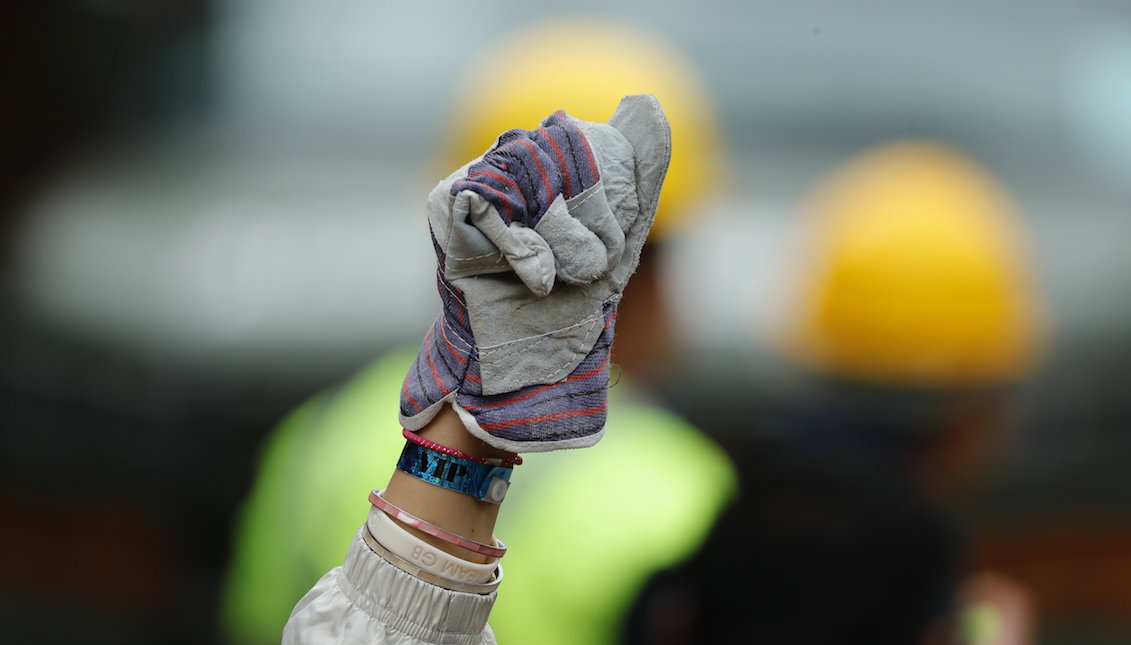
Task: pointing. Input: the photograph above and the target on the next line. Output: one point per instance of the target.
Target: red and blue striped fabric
(528, 169)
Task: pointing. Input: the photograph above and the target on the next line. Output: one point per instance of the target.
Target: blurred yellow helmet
(916, 274)
(584, 67)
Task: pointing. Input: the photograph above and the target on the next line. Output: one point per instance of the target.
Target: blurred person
(671, 479)
(916, 312)
(914, 317)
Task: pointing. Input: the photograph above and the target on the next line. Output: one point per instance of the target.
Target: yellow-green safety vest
(586, 528)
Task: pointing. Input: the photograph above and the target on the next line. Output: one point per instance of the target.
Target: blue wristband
(481, 481)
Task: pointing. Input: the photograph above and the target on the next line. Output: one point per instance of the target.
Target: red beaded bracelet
(409, 519)
(452, 452)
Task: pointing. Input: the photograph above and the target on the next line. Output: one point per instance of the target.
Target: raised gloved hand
(535, 242)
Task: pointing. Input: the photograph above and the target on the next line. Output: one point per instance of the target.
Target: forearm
(402, 593)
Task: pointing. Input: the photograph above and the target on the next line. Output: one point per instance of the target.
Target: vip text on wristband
(481, 481)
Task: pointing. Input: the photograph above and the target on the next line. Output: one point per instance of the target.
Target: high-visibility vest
(586, 528)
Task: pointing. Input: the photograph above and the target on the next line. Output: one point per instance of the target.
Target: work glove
(535, 242)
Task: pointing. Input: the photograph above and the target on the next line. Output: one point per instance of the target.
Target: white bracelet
(415, 571)
(422, 554)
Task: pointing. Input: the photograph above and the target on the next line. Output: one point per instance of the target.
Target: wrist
(447, 430)
(454, 511)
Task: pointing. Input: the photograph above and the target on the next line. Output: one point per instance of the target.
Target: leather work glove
(535, 241)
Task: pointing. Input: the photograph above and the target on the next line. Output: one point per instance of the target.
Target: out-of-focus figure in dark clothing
(913, 319)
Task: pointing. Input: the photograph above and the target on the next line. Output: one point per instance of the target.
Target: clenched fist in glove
(535, 242)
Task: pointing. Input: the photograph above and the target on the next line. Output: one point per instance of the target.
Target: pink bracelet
(452, 452)
(415, 522)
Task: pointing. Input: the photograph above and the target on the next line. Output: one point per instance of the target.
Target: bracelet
(415, 522)
(452, 452)
(413, 570)
(484, 483)
(424, 555)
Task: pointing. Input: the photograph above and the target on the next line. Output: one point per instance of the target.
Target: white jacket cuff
(368, 600)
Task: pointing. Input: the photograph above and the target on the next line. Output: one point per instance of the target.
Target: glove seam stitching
(585, 199)
(473, 257)
(483, 350)
(566, 365)
(459, 340)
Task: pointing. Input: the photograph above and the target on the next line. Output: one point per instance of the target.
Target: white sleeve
(367, 600)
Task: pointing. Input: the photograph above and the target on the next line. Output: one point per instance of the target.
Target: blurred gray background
(212, 209)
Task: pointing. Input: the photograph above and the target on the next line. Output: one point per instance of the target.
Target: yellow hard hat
(584, 67)
(915, 274)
